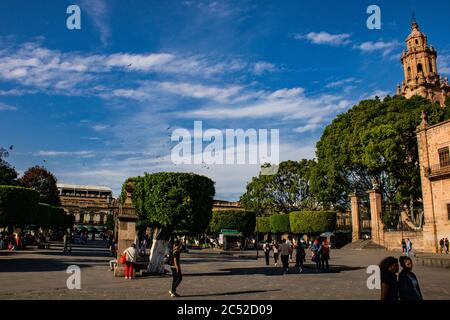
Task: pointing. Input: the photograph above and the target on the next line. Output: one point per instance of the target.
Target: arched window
(431, 65)
(419, 68)
(417, 41)
(409, 72)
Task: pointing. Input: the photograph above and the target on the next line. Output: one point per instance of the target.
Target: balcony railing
(438, 170)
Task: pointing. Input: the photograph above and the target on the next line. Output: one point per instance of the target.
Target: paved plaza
(41, 274)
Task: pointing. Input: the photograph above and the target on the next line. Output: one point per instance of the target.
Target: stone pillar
(355, 217)
(375, 216)
(126, 220)
(430, 238)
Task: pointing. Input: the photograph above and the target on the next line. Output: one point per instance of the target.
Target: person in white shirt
(266, 249)
(130, 260)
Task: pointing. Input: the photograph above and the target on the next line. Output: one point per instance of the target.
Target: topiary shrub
(279, 223)
(242, 221)
(312, 222)
(18, 206)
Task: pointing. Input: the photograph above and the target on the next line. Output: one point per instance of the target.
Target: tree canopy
(375, 140)
(44, 182)
(8, 175)
(18, 206)
(175, 202)
(287, 190)
(242, 221)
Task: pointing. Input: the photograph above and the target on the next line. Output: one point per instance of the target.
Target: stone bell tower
(419, 66)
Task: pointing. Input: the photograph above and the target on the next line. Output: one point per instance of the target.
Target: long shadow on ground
(227, 293)
(272, 271)
(34, 265)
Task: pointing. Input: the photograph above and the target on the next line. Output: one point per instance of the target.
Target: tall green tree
(374, 141)
(44, 182)
(8, 175)
(287, 190)
(170, 202)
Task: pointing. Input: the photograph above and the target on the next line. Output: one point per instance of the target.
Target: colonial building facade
(89, 204)
(419, 62)
(434, 158)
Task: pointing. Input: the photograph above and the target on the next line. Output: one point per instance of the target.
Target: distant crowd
(285, 250)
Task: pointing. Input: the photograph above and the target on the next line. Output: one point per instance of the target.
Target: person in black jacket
(408, 285)
(389, 283)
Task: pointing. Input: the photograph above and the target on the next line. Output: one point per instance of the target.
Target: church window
(419, 68)
(417, 41)
(444, 157)
(409, 72)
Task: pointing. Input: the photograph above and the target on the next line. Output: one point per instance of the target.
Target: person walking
(284, 252)
(446, 245)
(389, 283)
(408, 286)
(325, 255)
(66, 240)
(174, 261)
(266, 249)
(408, 247)
(315, 254)
(276, 252)
(130, 260)
(442, 245)
(403, 246)
(300, 255)
(290, 245)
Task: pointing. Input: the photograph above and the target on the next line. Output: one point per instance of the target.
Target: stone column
(375, 216)
(355, 217)
(430, 238)
(126, 220)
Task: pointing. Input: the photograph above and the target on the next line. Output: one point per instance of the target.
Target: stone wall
(393, 240)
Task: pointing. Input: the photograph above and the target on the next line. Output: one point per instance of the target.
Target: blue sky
(98, 105)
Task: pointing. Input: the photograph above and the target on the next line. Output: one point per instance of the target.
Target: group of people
(173, 261)
(403, 287)
(407, 247)
(444, 245)
(15, 241)
(320, 253)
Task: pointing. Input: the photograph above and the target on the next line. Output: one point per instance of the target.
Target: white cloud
(385, 47)
(262, 67)
(326, 38)
(444, 64)
(99, 127)
(51, 153)
(340, 83)
(98, 11)
(287, 103)
(7, 107)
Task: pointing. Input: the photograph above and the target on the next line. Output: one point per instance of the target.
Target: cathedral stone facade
(420, 70)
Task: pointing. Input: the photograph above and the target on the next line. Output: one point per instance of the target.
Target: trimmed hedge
(53, 217)
(279, 223)
(18, 206)
(263, 224)
(312, 222)
(44, 215)
(242, 221)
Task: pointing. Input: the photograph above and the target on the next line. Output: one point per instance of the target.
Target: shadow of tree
(272, 271)
(35, 265)
(227, 293)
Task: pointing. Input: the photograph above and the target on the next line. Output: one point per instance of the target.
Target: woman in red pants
(130, 260)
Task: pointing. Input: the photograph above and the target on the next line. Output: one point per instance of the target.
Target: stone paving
(41, 274)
